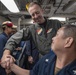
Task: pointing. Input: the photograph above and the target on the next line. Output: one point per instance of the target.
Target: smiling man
(41, 32)
(64, 60)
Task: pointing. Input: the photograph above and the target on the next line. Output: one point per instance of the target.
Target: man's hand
(5, 61)
(30, 59)
(19, 48)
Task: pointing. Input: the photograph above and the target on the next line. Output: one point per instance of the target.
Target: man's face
(58, 41)
(36, 13)
(10, 30)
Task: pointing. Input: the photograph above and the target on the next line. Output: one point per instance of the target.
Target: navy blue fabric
(16, 53)
(31, 50)
(46, 65)
(28, 47)
(3, 40)
(2, 71)
(51, 52)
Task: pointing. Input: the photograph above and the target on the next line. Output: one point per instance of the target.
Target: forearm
(5, 59)
(19, 71)
(6, 52)
(14, 40)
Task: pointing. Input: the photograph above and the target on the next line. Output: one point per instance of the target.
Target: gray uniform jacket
(41, 36)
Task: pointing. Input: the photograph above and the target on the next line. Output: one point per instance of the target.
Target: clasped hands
(7, 61)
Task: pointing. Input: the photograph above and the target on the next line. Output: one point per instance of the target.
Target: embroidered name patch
(48, 31)
(39, 31)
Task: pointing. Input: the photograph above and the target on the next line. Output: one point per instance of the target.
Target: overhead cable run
(58, 6)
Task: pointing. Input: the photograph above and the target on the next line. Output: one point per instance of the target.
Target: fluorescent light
(58, 18)
(10, 5)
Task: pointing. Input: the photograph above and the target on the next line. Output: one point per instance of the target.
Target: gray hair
(70, 31)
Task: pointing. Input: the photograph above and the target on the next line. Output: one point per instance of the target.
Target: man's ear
(68, 42)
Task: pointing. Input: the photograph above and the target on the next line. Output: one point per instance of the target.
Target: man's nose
(36, 15)
(53, 38)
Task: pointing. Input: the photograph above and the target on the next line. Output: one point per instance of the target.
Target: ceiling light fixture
(10, 5)
(58, 18)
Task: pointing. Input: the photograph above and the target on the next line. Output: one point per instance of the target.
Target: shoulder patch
(39, 31)
(48, 31)
(46, 60)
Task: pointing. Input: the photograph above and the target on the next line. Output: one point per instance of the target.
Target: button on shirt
(46, 66)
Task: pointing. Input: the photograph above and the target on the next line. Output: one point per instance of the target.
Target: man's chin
(39, 22)
(52, 47)
(36, 22)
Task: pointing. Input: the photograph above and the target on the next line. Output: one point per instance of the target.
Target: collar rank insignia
(74, 71)
(39, 31)
(46, 60)
(48, 31)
